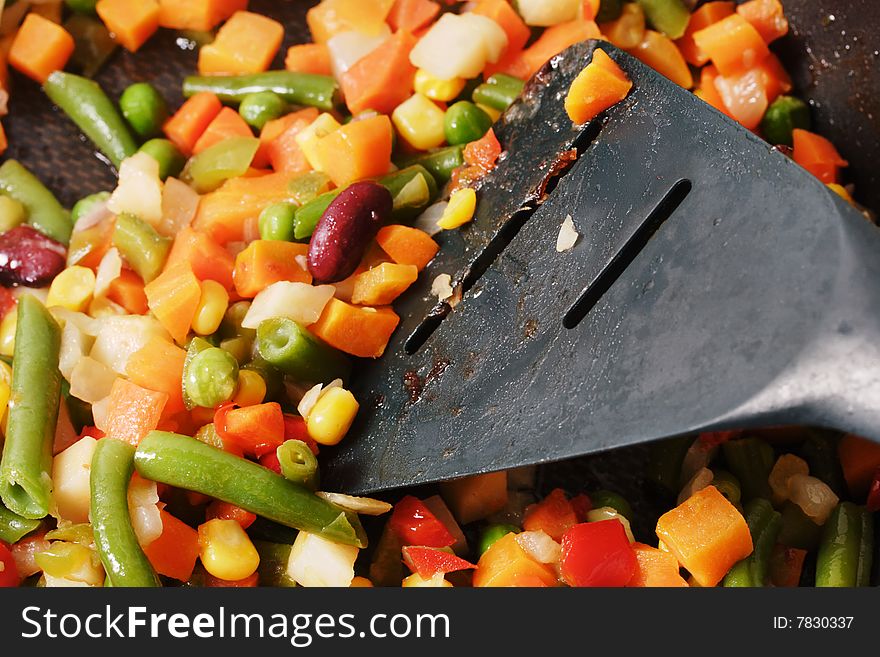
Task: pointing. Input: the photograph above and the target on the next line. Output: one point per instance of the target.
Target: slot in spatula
(715, 285)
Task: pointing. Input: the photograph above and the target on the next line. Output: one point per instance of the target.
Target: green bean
(866, 549)
(218, 163)
(86, 104)
(85, 204)
(820, 453)
(608, 498)
(308, 186)
(609, 10)
(319, 91)
(464, 122)
(143, 248)
(144, 108)
(25, 480)
(13, 527)
(397, 181)
(82, 6)
(784, 115)
(170, 159)
(499, 91)
(307, 216)
(186, 463)
(272, 570)
(276, 222)
(286, 345)
(440, 163)
(764, 524)
(93, 43)
(298, 463)
(493, 533)
(124, 561)
(668, 16)
(750, 460)
(664, 467)
(727, 485)
(844, 557)
(257, 109)
(44, 212)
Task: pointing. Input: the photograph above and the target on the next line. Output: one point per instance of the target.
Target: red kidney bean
(29, 258)
(345, 230)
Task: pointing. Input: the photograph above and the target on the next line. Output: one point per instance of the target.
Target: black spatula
(715, 284)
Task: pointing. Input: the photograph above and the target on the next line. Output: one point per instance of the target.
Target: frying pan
(830, 52)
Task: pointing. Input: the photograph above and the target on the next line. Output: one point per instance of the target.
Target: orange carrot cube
(131, 22)
(246, 43)
(40, 47)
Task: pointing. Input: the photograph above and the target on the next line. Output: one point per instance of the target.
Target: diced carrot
(191, 120)
(173, 297)
(381, 285)
(52, 11)
(506, 564)
(158, 365)
(358, 150)
(331, 17)
(501, 11)
(383, 79)
(733, 45)
(707, 534)
(308, 58)
(284, 152)
(589, 9)
(660, 53)
(198, 15)
(703, 16)
(655, 568)
(128, 291)
(356, 330)
(131, 22)
(40, 47)
(246, 43)
(554, 40)
(766, 16)
(596, 88)
(274, 129)
(228, 123)
(208, 260)
(776, 78)
(707, 91)
(264, 262)
(554, 515)
(859, 459)
(412, 15)
(222, 214)
(226, 511)
(817, 155)
(475, 497)
(175, 552)
(133, 411)
(257, 429)
(4, 142)
(407, 246)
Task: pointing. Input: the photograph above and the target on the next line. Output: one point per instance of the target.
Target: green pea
(607, 498)
(211, 377)
(82, 206)
(79, 6)
(465, 122)
(171, 160)
(276, 222)
(258, 108)
(144, 109)
(492, 533)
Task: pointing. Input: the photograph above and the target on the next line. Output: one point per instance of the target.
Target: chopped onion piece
(442, 287)
(143, 496)
(813, 496)
(784, 469)
(698, 456)
(140, 189)
(459, 46)
(91, 380)
(347, 48)
(108, 271)
(366, 505)
(539, 546)
(568, 235)
(702, 478)
(179, 205)
(297, 301)
(308, 401)
(427, 221)
(609, 513)
(544, 13)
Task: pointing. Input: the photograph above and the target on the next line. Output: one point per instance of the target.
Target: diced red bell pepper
(715, 438)
(414, 523)
(873, 502)
(582, 505)
(428, 561)
(597, 554)
(484, 152)
(8, 571)
(91, 432)
(271, 461)
(226, 511)
(554, 515)
(295, 429)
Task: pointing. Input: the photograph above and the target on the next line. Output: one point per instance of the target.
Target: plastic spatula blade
(715, 284)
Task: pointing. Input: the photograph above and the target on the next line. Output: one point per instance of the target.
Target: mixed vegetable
(176, 351)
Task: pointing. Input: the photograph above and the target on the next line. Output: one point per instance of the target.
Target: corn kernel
(460, 209)
(437, 89)
(72, 289)
(211, 309)
(420, 122)
(7, 333)
(332, 415)
(5, 388)
(12, 213)
(493, 113)
(309, 137)
(361, 583)
(417, 581)
(841, 191)
(226, 551)
(251, 389)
